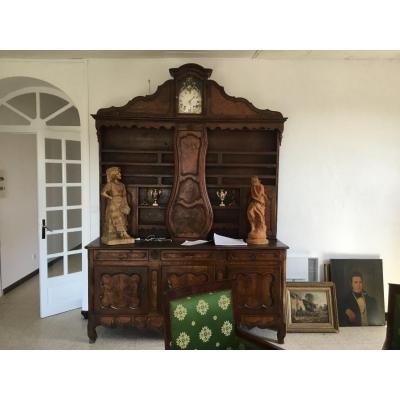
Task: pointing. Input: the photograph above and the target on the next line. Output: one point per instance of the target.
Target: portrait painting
(359, 288)
(311, 307)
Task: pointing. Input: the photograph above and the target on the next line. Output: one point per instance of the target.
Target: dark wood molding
(20, 281)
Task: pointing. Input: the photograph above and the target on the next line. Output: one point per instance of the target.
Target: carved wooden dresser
(188, 141)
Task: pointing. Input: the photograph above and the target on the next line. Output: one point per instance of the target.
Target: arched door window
(24, 107)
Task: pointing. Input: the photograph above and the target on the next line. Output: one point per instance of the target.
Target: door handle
(44, 227)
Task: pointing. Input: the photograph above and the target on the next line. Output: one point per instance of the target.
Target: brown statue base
(118, 241)
(256, 240)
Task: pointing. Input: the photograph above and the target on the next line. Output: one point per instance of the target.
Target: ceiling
(242, 54)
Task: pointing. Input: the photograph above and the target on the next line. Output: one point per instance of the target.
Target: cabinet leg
(281, 335)
(91, 331)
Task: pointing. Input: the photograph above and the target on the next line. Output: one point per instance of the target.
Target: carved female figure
(115, 222)
(256, 213)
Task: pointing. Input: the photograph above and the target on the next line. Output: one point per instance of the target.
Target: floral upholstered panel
(203, 322)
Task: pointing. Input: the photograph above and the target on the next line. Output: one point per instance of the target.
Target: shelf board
(153, 207)
(226, 208)
(136, 151)
(144, 226)
(148, 186)
(150, 176)
(256, 153)
(227, 225)
(237, 176)
(242, 165)
(153, 164)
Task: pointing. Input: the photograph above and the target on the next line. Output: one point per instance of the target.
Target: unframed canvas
(359, 288)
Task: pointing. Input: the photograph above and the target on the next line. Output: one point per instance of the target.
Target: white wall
(339, 190)
(18, 209)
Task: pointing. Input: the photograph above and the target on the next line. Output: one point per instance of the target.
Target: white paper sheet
(193, 242)
(227, 241)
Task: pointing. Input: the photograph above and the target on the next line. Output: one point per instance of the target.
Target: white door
(60, 221)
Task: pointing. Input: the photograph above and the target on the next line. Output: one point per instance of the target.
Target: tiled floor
(22, 328)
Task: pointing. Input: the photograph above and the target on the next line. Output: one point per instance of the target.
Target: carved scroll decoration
(120, 291)
(254, 290)
(176, 281)
(189, 213)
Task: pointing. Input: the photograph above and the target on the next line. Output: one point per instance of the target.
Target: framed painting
(311, 307)
(359, 288)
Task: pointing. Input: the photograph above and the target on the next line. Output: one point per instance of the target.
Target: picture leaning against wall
(359, 289)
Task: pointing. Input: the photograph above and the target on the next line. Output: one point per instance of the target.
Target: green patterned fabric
(205, 322)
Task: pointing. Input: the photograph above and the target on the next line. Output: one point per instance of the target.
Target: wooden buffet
(189, 139)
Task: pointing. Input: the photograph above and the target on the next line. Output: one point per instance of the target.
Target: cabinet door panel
(121, 291)
(257, 288)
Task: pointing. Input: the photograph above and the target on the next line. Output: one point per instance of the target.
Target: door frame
(34, 128)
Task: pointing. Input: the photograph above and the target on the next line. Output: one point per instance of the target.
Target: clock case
(240, 141)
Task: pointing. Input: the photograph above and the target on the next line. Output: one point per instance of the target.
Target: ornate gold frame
(329, 288)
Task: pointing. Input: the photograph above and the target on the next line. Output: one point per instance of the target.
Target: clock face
(189, 98)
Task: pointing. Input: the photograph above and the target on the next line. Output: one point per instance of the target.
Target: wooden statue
(115, 221)
(256, 213)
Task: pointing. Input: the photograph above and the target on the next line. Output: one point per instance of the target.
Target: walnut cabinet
(188, 141)
(127, 282)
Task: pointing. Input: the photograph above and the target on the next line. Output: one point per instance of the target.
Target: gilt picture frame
(311, 307)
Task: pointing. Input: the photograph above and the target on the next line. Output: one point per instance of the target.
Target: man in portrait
(358, 308)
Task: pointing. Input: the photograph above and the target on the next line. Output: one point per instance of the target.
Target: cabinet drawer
(175, 276)
(186, 255)
(254, 256)
(120, 255)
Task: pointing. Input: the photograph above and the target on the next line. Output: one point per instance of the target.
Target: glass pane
(55, 266)
(73, 173)
(74, 218)
(53, 197)
(54, 220)
(53, 173)
(73, 150)
(74, 263)
(50, 104)
(25, 103)
(74, 240)
(69, 117)
(55, 243)
(73, 196)
(9, 117)
(53, 149)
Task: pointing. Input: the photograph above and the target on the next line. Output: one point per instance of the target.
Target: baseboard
(20, 281)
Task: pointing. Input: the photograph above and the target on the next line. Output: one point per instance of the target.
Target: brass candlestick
(155, 194)
(222, 193)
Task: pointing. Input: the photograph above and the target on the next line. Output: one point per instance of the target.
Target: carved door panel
(121, 290)
(257, 288)
(174, 277)
(189, 213)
